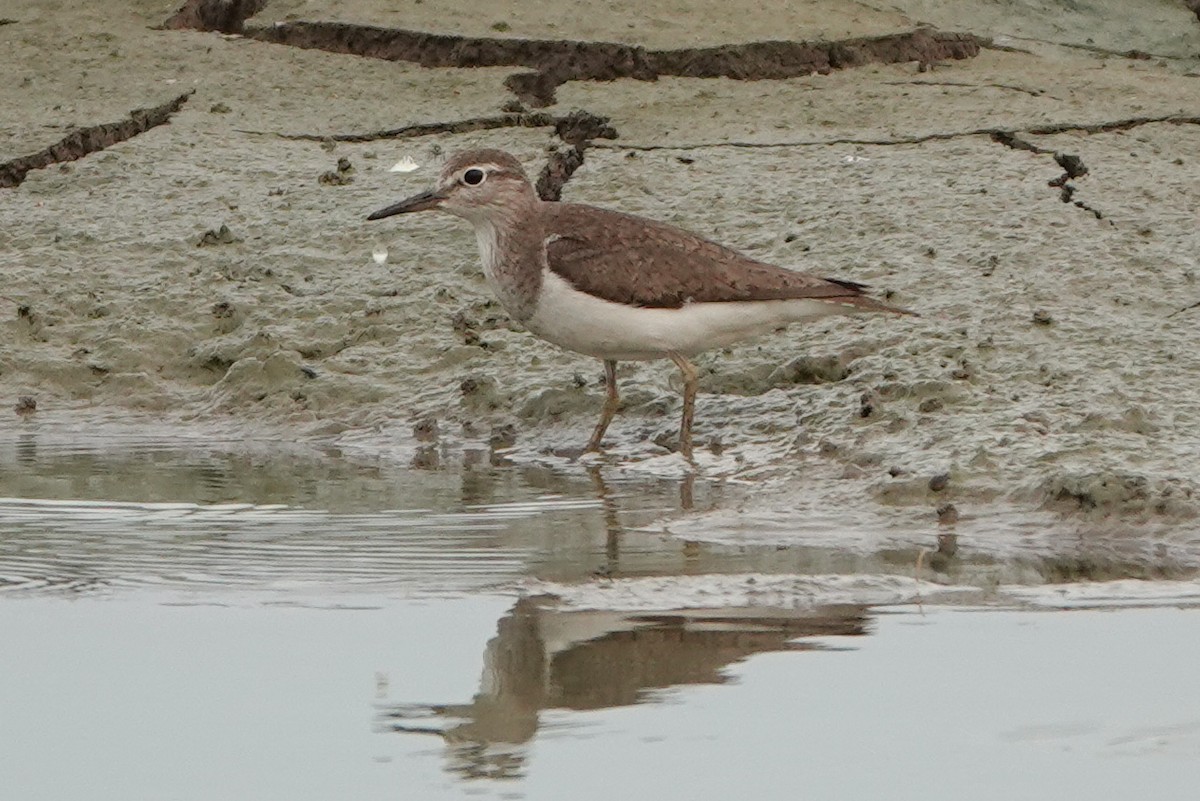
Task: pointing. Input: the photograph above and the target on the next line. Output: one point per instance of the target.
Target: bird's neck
(510, 248)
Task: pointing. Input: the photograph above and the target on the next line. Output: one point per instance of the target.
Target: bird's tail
(857, 297)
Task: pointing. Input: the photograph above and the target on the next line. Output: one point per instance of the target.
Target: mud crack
(571, 128)
(578, 130)
(1008, 87)
(1073, 167)
(1039, 130)
(1134, 54)
(84, 141)
(1186, 308)
(555, 61)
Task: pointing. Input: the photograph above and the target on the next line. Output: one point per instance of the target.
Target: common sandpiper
(620, 287)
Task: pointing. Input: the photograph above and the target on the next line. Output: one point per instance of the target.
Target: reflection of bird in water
(542, 658)
(614, 530)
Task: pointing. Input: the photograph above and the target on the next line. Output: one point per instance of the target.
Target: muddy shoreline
(1034, 199)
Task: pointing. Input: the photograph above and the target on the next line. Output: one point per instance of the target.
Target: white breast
(586, 324)
(486, 237)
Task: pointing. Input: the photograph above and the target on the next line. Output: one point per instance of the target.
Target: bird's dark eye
(473, 177)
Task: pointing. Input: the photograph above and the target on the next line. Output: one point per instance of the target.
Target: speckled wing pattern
(640, 262)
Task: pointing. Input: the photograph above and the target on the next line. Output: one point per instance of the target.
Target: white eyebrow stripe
(486, 167)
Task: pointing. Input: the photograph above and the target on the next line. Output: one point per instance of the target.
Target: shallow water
(85, 515)
(132, 698)
(197, 618)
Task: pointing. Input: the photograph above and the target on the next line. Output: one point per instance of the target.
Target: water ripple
(87, 546)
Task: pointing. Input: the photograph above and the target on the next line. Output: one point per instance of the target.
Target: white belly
(580, 322)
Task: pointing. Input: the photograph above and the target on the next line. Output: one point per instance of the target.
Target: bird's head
(477, 185)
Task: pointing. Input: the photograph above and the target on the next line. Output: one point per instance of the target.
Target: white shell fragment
(405, 164)
(379, 254)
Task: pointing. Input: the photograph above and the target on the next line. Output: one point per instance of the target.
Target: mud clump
(1072, 165)
(756, 379)
(1117, 493)
(502, 437)
(25, 405)
(809, 370)
(560, 166)
(226, 317)
(426, 429)
(222, 16)
(481, 393)
(342, 175)
(218, 236)
(555, 402)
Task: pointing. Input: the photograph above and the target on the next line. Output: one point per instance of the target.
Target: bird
(620, 287)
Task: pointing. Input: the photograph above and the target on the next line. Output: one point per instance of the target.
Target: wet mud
(1033, 198)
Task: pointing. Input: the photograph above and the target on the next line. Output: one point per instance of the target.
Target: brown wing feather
(640, 262)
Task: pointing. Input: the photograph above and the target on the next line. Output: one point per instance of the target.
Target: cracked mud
(556, 62)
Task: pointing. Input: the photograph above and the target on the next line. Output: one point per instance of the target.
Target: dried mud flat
(182, 241)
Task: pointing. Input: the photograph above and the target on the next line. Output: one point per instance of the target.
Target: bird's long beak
(426, 200)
